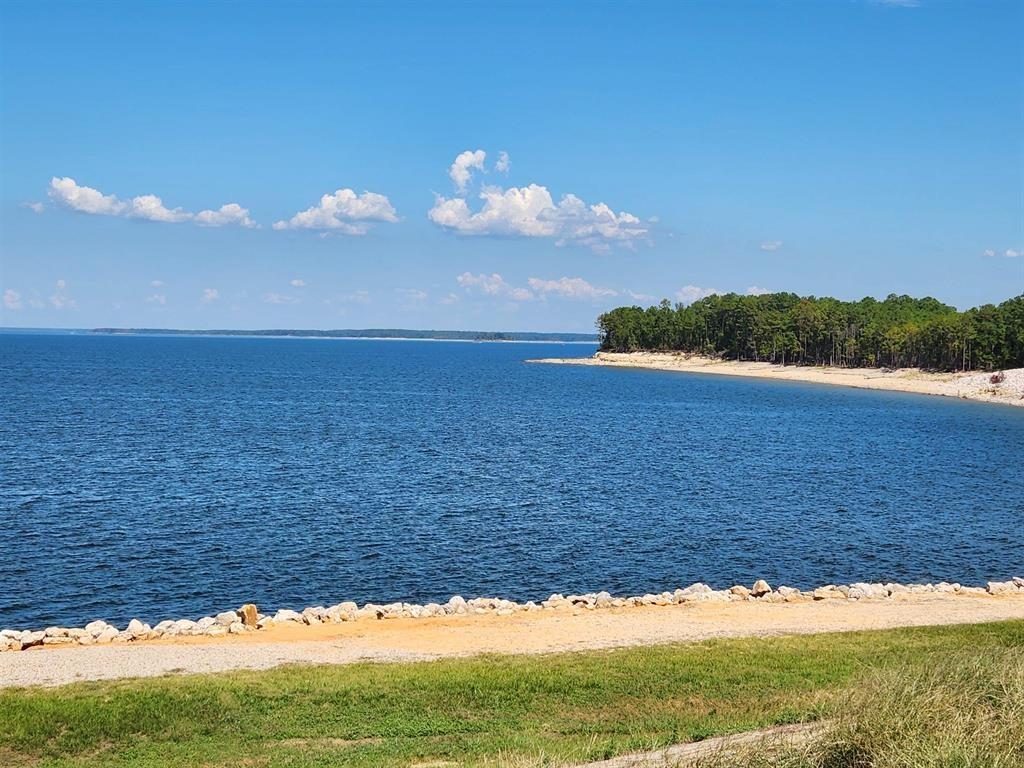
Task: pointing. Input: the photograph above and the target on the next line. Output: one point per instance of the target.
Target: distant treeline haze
(900, 332)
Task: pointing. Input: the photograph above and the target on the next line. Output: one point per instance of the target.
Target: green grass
(509, 710)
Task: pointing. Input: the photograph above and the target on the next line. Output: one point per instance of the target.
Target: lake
(174, 476)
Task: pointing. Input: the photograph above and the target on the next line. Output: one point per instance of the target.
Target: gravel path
(538, 632)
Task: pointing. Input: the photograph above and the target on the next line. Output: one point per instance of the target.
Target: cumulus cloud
(531, 211)
(569, 288)
(771, 245)
(988, 252)
(68, 193)
(343, 211)
(209, 295)
(297, 283)
(489, 284)
(60, 299)
(1012, 253)
(12, 299)
(35, 206)
(231, 214)
(152, 208)
(462, 169)
(691, 293)
(640, 296)
(503, 163)
(156, 298)
(757, 291)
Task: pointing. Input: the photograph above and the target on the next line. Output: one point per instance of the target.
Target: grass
(528, 710)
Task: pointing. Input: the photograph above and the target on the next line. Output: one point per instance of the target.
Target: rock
(862, 590)
(55, 632)
(1001, 587)
(58, 640)
(1019, 582)
(94, 628)
(285, 615)
(973, 591)
(204, 624)
(86, 639)
(29, 639)
(236, 628)
(249, 614)
(216, 630)
(761, 588)
(896, 589)
(166, 627)
(456, 605)
(107, 634)
(829, 592)
(789, 594)
(946, 587)
(184, 627)
(136, 629)
(266, 621)
(226, 618)
(740, 590)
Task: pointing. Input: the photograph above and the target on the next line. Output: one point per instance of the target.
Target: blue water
(173, 477)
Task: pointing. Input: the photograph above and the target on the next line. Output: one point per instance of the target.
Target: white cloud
(1012, 253)
(988, 252)
(462, 169)
(226, 215)
(451, 298)
(691, 293)
(60, 299)
(152, 208)
(209, 294)
(156, 283)
(12, 299)
(757, 291)
(569, 288)
(343, 211)
(492, 285)
(297, 283)
(640, 296)
(489, 284)
(156, 298)
(503, 163)
(67, 192)
(280, 298)
(35, 206)
(771, 245)
(531, 212)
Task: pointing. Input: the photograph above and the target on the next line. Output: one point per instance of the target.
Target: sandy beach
(404, 639)
(967, 386)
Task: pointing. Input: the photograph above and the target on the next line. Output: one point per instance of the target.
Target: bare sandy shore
(528, 632)
(968, 386)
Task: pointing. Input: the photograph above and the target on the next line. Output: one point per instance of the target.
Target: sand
(409, 639)
(968, 386)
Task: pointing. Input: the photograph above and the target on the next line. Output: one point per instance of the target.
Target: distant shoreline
(971, 385)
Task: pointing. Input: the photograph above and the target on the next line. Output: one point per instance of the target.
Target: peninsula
(900, 344)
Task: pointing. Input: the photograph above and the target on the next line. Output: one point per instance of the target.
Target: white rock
(226, 618)
(137, 629)
(236, 628)
(285, 615)
(1001, 587)
(94, 628)
(761, 588)
(107, 634)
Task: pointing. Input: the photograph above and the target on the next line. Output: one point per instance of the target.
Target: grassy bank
(485, 711)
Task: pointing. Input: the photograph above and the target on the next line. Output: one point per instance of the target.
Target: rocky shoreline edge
(247, 618)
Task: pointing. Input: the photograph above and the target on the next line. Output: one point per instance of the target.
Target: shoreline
(345, 633)
(976, 386)
(570, 629)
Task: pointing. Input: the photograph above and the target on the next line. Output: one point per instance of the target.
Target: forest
(899, 332)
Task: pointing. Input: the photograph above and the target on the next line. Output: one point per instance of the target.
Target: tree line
(899, 332)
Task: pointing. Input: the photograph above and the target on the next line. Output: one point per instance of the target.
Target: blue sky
(832, 147)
